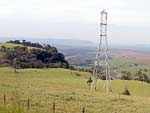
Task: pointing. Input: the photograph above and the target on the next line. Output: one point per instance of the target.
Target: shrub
(89, 81)
(126, 92)
(77, 74)
(126, 75)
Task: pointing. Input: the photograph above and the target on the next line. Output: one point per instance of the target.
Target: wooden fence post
(28, 104)
(54, 106)
(4, 103)
(83, 110)
(4, 100)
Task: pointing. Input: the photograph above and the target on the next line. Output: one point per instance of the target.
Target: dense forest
(37, 56)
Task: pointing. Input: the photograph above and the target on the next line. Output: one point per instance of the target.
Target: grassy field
(70, 92)
(10, 45)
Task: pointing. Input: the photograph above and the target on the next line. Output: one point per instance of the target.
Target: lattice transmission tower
(101, 64)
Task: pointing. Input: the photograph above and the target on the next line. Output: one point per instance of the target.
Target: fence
(28, 107)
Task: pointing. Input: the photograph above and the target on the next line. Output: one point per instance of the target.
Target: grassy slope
(10, 45)
(70, 92)
(121, 63)
(2, 54)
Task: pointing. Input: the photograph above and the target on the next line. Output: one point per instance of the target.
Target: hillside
(120, 60)
(10, 45)
(25, 54)
(70, 92)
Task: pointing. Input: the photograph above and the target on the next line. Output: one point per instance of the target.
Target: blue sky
(129, 20)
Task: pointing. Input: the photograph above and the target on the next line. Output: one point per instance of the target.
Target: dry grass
(70, 92)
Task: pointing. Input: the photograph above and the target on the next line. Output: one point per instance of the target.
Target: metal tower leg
(100, 64)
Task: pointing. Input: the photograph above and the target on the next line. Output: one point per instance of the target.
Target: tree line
(140, 75)
(20, 57)
(26, 43)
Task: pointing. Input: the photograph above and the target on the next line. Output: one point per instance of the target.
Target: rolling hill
(121, 59)
(70, 92)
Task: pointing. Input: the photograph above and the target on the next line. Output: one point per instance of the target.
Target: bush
(89, 81)
(126, 92)
(142, 76)
(126, 75)
(77, 74)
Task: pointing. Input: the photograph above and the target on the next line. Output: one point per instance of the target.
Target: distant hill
(66, 46)
(75, 46)
(54, 42)
(130, 58)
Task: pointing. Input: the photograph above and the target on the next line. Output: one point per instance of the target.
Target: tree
(3, 49)
(142, 76)
(126, 75)
(89, 82)
(22, 57)
(145, 70)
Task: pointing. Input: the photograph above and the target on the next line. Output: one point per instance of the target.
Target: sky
(128, 20)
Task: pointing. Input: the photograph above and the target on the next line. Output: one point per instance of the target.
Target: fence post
(4, 100)
(28, 104)
(4, 103)
(83, 110)
(54, 105)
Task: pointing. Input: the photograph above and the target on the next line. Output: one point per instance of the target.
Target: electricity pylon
(101, 64)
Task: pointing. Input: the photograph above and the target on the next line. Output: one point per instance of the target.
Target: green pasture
(69, 91)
